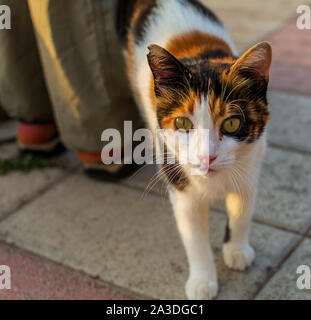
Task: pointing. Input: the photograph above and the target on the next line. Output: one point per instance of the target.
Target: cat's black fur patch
(140, 24)
(175, 175)
(125, 11)
(206, 77)
(202, 9)
(213, 54)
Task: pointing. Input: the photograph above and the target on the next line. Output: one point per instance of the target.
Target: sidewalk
(67, 237)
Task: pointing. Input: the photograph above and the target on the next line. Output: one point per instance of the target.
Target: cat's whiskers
(157, 177)
(154, 180)
(178, 169)
(244, 177)
(169, 181)
(154, 161)
(237, 178)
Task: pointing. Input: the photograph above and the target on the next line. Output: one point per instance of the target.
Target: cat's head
(225, 95)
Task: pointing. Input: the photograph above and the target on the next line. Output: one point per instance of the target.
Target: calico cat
(186, 74)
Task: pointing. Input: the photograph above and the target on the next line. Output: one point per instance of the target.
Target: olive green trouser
(62, 60)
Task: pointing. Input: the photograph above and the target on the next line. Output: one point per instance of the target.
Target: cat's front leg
(238, 254)
(192, 221)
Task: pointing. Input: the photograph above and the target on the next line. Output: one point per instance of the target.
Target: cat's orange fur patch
(186, 108)
(194, 43)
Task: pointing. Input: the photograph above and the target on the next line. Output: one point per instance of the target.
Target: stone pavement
(67, 237)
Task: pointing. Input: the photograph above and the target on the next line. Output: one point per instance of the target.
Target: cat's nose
(207, 161)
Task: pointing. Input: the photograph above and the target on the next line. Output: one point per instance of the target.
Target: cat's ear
(168, 72)
(257, 58)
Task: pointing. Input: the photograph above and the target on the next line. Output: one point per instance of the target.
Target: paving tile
(8, 130)
(108, 230)
(35, 278)
(284, 190)
(283, 285)
(290, 123)
(252, 21)
(18, 188)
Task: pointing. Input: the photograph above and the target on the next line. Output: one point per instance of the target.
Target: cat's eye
(231, 125)
(183, 123)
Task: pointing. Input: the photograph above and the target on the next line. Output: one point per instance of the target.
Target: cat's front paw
(238, 258)
(201, 289)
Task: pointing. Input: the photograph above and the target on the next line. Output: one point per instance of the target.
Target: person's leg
(23, 93)
(84, 71)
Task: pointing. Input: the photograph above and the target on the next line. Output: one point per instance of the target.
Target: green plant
(23, 163)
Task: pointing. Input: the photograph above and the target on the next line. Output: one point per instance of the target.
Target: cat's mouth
(201, 171)
(211, 170)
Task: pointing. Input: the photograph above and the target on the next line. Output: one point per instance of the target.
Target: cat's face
(225, 96)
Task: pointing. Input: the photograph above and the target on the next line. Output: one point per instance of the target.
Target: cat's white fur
(237, 164)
